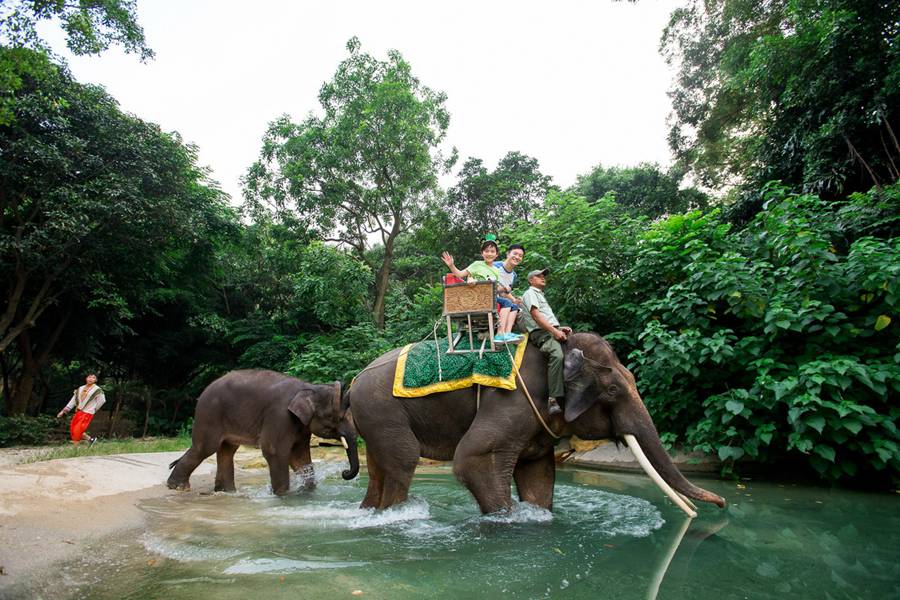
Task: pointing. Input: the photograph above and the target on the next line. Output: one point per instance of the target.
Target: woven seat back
(468, 299)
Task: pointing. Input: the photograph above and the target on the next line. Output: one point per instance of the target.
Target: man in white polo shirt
(546, 334)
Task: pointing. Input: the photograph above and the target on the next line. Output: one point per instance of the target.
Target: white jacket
(89, 402)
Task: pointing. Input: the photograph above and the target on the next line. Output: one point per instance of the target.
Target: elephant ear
(576, 406)
(302, 406)
(580, 393)
(573, 364)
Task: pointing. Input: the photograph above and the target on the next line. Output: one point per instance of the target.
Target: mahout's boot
(553, 406)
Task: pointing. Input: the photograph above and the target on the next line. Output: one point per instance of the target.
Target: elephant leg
(376, 482)
(301, 463)
(300, 456)
(396, 454)
(278, 458)
(484, 469)
(225, 467)
(396, 488)
(181, 474)
(534, 480)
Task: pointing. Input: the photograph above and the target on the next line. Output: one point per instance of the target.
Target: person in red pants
(86, 401)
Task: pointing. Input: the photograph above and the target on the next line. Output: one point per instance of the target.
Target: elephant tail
(175, 462)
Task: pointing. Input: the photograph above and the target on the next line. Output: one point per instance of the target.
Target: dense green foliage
(484, 201)
(803, 91)
(22, 430)
(90, 28)
(643, 190)
(777, 339)
(104, 219)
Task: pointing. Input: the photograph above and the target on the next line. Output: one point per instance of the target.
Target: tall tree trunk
(114, 415)
(178, 400)
(25, 385)
(383, 278)
(147, 401)
(38, 408)
(381, 287)
(32, 363)
(5, 368)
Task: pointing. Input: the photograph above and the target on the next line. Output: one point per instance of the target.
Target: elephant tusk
(657, 479)
(687, 500)
(344, 443)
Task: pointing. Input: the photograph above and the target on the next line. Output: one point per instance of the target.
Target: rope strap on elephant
(425, 368)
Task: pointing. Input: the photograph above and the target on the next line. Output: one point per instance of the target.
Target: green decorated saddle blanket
(426, 368)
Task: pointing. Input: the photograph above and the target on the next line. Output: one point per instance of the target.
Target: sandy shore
(51, 511)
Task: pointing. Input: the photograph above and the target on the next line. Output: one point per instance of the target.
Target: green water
(609, 536)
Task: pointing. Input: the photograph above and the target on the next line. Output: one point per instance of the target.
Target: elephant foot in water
(306, 477)
(180, 487)
(388, 483)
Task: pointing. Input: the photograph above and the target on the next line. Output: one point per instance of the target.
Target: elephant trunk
(657, 462)
(348, 439)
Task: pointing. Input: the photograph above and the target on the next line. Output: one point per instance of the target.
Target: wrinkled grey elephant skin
(502, 441)
(269, 410)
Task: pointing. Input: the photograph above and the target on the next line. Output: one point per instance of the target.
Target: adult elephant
(275, 412)
(502, 440)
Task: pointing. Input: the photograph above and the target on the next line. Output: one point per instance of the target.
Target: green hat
(490, 240)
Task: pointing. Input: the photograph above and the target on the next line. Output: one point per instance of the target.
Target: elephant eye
(612, 390)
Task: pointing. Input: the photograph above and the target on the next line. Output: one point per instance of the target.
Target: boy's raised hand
(447, 258)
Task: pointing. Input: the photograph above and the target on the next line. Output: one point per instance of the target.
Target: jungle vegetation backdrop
(752, 287)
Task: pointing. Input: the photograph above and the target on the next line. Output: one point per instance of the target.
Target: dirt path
(52, 510)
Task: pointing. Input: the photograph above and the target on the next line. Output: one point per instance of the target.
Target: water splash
(521, 512)
(346, 515)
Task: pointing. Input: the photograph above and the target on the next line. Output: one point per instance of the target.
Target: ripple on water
(284, 566)
(186, 551)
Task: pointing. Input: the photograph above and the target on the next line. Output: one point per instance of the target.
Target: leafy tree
(802, 91)
(279, 289)
(417, 257)
(97, 207)
(484, 201)
(364, 168)
(587, 246)
(91, 26)
(643, 190)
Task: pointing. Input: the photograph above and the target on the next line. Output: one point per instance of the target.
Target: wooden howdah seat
(470, 311)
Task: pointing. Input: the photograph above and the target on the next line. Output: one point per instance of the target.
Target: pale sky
(571, 83)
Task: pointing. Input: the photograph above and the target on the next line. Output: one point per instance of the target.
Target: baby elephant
(269, 410)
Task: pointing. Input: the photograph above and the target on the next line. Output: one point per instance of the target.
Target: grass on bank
(106, 447)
